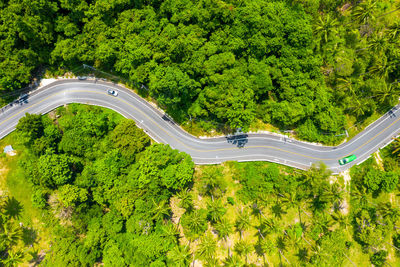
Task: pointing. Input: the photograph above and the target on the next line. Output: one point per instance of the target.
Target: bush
(230, 200)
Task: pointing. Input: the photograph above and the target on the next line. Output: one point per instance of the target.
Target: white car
(112, 92)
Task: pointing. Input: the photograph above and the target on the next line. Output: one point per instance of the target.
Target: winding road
(250, 147)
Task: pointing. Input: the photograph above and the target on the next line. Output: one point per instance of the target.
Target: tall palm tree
(333, 194)
(170, 232)
(292, 200)
(388, 93)
(161, 210)
(341, 219)
(194, 223)
(394, 31)
(179, 256)
(265, 247)
(242, 222)
(381, 67)
(396, 146)
(365, 12)
(233, 261)
(185, 200)
(224, 229)
(377, 43)
(13, 258)
(215, 210)
(243, 248)
(325, 27)
(206, 247)
(10, 234)
(387, 211)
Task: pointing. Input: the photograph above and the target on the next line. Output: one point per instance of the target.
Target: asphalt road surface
(251, 147)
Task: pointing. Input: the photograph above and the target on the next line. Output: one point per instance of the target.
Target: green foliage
(161, 165)
(379, 258)
(113, 189)
(53, 170)
(129, 139)
(69, 195)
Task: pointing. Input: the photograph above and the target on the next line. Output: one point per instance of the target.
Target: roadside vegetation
(92, 188)
(318, 67)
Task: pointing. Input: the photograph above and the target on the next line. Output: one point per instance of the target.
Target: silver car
(112, 92)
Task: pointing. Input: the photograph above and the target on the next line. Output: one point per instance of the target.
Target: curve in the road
(250, 147)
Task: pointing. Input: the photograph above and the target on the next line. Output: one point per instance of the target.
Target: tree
(206, 247)
(396, 146)
(129, 138)
(364, 12)
(160, 210)
(30, 127)
(379, 258)
(70, 195)
(243, 248)
(179, 256)
(325, 27)
(233, 261)
(215, 210)
(242, 222)
(194, 223)
(53, 170)
(185, 200)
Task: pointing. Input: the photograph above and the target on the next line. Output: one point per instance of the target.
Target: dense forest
(102, 193)
(317, 66)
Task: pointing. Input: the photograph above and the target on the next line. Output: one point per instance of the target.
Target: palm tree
(265, 247)
(333, 194)
(325, 27)
(215, 210)
(292, 200)
(10, 234)
(387, 211)
(243, 248)
(388, 93)
(356, 108)
(242, 222)
(394, 31)
(206, 247)
(396, 146)
(292, 236)
(179, 256)
(361, 196)
(381, 67)
(186, 200)
(364, 12)
(170, 232)
(341, 219)
(161, 210)
(377, 43)
(224, 229)
(194, 223)
(13, 258)
(233, 261)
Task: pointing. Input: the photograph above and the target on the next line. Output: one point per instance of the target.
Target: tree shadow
(238, 140)
(29, 236)
(13, 208)
(278, 211)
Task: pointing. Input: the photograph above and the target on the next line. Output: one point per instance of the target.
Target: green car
(347, 159)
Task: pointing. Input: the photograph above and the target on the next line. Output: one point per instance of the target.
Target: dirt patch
(379, 160)
(345, 203)
(3, 174)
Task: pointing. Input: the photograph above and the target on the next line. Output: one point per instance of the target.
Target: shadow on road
(238, 140)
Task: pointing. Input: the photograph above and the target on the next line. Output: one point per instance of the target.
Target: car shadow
(238, 140)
